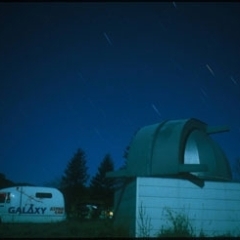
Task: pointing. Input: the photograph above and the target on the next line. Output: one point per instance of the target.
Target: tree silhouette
(76, 171)
(126, 151)
(236, 168)
(55, 182)
(102, 188)
(4, 182)
(125, 154)
(73, 183)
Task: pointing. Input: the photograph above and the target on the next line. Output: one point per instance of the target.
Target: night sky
(88, 75)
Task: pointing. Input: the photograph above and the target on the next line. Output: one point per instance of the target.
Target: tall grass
(68, 228)
(180, 225)
(144, 223)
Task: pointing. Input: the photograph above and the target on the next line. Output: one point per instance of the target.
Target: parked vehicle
(92, 211)
(31, 204)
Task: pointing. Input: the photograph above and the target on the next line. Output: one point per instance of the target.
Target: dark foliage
(236, 169)
(76, 171)
(126, 151)
(73, 184)
(4, 182)
(101, 187)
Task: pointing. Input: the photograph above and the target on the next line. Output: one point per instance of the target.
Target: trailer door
(4, 203)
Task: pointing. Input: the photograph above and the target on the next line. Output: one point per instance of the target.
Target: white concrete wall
(213, 209)
(125, 208)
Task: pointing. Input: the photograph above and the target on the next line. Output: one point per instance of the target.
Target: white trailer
(31, 204)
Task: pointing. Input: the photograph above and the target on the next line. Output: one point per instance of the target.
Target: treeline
(73, 183)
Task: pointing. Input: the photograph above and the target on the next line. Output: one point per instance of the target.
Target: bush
(181, 226)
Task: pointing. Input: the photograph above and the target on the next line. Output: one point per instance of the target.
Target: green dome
(175, 147)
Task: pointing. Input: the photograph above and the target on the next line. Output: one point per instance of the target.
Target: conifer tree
(4, 182)
(73, 183)
(102, 188)
(76, 172)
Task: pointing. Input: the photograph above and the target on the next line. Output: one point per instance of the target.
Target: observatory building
(175, 164)
(172, 148)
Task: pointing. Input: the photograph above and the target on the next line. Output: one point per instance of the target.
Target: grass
(180, 227)
(68, 228)
(144, 223)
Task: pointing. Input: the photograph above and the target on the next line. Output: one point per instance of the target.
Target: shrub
(144, 223)
(181, 226)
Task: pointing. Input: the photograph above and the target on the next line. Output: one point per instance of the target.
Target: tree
(55, 182)
(102, 188)
(126, 151)
(76, 171)
(236, 169)
(73, 183)
(4, 182)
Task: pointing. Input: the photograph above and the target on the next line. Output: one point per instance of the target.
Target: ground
(68, 228)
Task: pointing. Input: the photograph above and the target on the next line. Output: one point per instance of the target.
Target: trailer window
(8, 197)
(43, 195)
(2, 197)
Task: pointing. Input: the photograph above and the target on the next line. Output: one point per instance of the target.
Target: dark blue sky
(89, 75)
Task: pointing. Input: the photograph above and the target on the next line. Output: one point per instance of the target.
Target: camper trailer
(31, 204)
